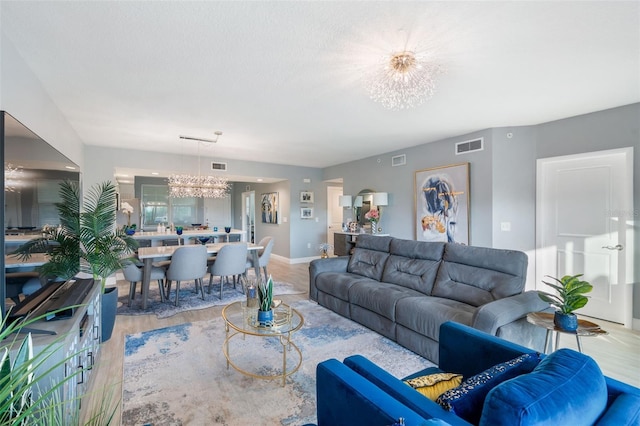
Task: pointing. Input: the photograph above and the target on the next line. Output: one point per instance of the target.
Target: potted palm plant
(569, 296)
(87, 240)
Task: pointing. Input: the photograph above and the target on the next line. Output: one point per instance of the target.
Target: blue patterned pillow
(466, 400)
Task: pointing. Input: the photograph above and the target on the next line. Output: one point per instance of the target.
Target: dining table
(148, 255)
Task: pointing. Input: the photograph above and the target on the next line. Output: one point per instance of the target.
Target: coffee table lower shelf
(286, 344)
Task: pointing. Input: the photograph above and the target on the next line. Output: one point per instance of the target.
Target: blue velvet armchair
(565, 387)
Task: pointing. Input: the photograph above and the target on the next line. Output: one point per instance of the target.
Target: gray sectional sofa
(406, 289)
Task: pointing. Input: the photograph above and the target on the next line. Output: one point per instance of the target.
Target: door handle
(616, 247)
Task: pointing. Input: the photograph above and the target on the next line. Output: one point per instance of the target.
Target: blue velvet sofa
(564, 388)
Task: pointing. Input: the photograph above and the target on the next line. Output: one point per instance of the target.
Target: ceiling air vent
(470, 146)
(218, 166)
(399, 160)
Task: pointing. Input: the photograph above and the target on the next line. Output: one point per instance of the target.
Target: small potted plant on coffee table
(265, 294)
(570, 296)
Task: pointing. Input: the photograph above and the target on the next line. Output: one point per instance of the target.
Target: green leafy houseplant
(569, 297)
(87, 239)
(570, 293)
(265, 293)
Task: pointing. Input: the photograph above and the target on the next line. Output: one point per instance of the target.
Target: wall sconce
(344, 201)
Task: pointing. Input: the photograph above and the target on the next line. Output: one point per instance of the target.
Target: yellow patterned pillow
(432, 385)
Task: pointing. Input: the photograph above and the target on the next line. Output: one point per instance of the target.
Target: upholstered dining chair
(263, 256)
(230, 261)
(133, 274)
(187, 263)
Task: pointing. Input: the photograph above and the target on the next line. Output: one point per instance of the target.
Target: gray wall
(503, 176)
(376, 173)
(22, 96)
(291, 236)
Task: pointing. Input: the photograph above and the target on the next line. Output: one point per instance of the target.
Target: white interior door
(334, 212)
(582, 227)
(249, 215)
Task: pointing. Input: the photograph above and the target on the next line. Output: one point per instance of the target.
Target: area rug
(189, 299)
(178, 375)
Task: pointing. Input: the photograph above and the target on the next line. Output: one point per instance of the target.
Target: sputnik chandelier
(404, 80)
(186, 185)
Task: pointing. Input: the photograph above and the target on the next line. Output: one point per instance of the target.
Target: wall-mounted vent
(219, 167)
(399, 160)
(470, 146)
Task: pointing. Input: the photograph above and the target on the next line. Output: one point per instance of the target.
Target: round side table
(545, 320)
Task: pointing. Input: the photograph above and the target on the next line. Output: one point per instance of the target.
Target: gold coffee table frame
(242, 321)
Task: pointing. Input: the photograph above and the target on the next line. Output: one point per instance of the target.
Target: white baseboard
(295, 260)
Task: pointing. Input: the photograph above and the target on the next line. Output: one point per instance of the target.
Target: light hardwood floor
(617, 353)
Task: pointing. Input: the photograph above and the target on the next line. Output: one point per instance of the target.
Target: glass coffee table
(241, 321)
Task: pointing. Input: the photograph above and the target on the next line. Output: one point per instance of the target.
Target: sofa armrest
(624, 411)
(318, 266)
(400, 391)
(491, 316)
(346, 398)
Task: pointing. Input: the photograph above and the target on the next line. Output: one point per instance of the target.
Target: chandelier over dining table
(199, 186)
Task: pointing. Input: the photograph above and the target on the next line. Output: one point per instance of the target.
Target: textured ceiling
(284, 80)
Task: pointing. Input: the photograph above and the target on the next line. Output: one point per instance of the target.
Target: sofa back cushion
(479, 275)
(566, 388)
(369, 256)
(413, 264)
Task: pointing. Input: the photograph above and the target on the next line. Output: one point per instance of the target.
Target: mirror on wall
(33, 170)
(362, 204)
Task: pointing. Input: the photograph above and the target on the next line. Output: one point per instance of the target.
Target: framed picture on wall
(306, 197)
(306, 213)
(441, 198)
(269, 207)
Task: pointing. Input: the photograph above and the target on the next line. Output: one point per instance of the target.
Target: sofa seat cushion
(425, 314)
(566, 388)
(479, 275)
(338, 284)
(379, 297)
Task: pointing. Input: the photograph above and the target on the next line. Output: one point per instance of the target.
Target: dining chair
(133, 274)
(263, 256)
(230, 261)
(187, 263)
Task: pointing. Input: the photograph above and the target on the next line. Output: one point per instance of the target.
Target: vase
(566, 322)
(130, 231)
(324, 254)
(265, 318)
(374, 227)
(109, 308)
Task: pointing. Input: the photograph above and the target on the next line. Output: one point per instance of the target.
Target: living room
(604, 115)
